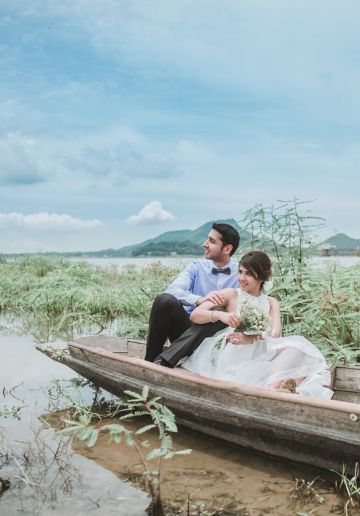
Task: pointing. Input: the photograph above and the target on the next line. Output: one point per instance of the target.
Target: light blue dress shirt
(197, 280)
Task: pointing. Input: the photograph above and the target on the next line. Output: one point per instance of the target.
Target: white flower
(268, 285)
(253, 318)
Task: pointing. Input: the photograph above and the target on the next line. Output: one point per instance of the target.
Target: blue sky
(120, 120)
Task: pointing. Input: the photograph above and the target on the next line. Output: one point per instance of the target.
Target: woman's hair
(258, 263)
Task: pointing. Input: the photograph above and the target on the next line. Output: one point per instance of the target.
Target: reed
(60, 298)
(56, 297)
(324, 307)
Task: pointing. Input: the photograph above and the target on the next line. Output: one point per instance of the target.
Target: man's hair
(228, 234)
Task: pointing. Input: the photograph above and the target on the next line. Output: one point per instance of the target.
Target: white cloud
(44, 220)
(152, 213)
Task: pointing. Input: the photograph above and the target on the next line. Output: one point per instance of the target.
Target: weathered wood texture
(317, 432)
(347, 379)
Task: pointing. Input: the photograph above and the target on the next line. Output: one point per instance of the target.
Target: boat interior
(345, 379)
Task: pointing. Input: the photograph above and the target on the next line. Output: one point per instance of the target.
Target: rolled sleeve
(183, 284)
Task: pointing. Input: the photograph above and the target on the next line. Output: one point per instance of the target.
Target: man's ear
(228, 248)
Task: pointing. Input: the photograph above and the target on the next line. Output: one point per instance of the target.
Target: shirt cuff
(191, 300)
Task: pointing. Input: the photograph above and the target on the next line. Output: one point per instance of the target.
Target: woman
(267, 361)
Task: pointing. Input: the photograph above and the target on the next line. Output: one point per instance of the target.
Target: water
(105, 479)
(123, 264)
(81, 486)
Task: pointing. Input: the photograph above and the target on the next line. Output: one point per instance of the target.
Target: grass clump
(324, 307)
(68, 296)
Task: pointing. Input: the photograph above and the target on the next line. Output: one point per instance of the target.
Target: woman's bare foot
(289, 385)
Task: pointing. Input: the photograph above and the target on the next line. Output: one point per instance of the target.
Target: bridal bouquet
(254, 321)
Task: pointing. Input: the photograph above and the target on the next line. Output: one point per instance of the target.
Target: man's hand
(214, 297)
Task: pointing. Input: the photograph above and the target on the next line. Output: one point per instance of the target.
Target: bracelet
(211, 319)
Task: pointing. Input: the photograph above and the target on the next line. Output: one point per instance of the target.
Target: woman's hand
(239, 338)
(229, 318)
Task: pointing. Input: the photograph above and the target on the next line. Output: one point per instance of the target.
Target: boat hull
(319, 433)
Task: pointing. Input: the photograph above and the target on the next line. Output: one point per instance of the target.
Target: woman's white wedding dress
(265, 362)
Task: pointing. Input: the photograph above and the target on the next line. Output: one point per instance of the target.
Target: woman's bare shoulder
(229, 292)
(273, 301)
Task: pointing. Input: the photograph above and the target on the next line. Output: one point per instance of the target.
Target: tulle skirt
(263, 363)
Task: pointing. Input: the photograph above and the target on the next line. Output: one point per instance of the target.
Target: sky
(123, 119)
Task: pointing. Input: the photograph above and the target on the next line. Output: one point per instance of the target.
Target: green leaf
(129, 440)
(115, 427)
(145, 392)
(145, 429)
(183, 452)
(157, 452)
(85, 419)
(92, 438)
(85, 433)
(135, 395)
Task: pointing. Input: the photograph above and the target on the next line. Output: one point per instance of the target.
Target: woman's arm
(275, 317)
(204, 313)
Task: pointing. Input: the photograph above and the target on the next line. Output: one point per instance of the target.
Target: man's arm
(182, 286)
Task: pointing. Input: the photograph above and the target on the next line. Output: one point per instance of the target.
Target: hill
(181, 242)
(342, 242)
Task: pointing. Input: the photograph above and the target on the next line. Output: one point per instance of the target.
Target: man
(199, 282)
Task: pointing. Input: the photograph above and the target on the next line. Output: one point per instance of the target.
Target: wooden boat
(321, 433)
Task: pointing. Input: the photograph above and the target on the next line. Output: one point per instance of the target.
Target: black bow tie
(215, 270)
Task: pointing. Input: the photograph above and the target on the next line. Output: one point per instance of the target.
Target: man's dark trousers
(168, 319)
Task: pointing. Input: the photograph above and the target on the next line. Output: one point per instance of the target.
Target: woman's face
(248, 282)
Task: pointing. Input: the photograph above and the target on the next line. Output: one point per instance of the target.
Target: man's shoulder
(201, 261)
(201, 264)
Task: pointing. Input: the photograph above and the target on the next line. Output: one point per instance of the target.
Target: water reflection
(44, 472)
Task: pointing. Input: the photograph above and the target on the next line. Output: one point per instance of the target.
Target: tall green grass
(325, 308)
(62, 298)
(56, 297)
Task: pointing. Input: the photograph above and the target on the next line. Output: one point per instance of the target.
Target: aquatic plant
(161, 419)
(285, 231)
(350, 485)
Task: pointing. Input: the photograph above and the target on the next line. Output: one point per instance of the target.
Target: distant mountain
(182, 241)
(189, 242)
(342, 242)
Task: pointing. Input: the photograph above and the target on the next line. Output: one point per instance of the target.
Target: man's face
(213, 247)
